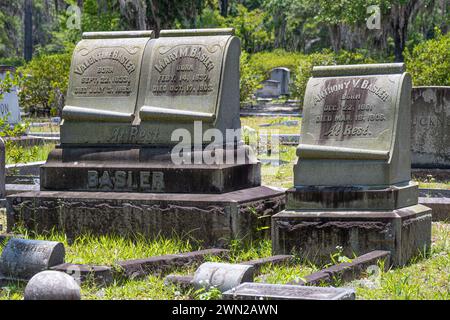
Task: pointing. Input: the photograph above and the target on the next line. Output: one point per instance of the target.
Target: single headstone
(52, 285)
(223, 276)
(282, 75)
(430, 131)
(21, 258)
(265, 291)
(9, 103)
(352, 180)
(2, 169)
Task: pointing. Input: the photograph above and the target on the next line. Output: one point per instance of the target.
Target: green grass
(427, 278)
(255, 122)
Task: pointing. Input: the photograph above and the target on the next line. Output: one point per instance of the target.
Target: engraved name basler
(126, 180)
(104, 79)
(346, 114)
(184, 78)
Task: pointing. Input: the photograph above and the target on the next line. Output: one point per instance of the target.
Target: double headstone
(9, 103)
(153, 116)
(352, 183)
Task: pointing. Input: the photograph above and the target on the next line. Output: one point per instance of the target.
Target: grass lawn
(427, 278)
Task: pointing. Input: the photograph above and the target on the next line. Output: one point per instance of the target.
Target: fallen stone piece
(21, 258)
(223, 276)
(165, 263)
(52, 285)
(273, 260)
(265, 291)
(347, 271)
(101, 275)
(184, 282)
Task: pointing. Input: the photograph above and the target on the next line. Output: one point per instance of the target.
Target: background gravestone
(282, 75)
(9, 104)
(270, 89)
(430, 131)
(352, 183)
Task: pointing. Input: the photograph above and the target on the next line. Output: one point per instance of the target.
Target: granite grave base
(314, 235)
(213, 219)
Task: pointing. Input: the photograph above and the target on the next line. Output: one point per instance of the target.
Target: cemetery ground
(426, 277)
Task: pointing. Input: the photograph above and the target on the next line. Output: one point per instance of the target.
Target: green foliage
(94, 19)
(304, 70)
(429, 62)
(249, 80)
(44, 81)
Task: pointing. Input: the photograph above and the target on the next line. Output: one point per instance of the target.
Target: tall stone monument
(150, 142)
(9, 103)
(352, 180)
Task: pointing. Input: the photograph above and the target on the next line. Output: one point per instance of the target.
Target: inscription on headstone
(21, 259)
(352, 113)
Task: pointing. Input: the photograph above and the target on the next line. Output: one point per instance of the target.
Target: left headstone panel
(103, 85)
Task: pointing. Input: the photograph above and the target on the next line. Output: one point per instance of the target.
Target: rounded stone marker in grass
(52, 285)
(223, 276)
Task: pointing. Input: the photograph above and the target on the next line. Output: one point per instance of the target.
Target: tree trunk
(223, 8)
(335, 37)
(28, 25)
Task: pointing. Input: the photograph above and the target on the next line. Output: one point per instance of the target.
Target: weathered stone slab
(265, 291)
(352, 197)
(166, 263)
(150, 170)
(52, 285)
(21, 259)
(430, 127)
(213, 219)
(347, 271)
(101, 275)
(440, 207)
(9, 104)
(356, 119)
(223, 276)
(184, 282)
(315, 234)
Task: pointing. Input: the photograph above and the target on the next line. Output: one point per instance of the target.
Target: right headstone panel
(352, 132)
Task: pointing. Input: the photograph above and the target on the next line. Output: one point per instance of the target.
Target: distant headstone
(282, 75)
(352, 180)
(52, 285)
(9, 104)
(265, 291)
(430, 130)
(223, 276)
(2, 169)
(270, 89)
(21, 259)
